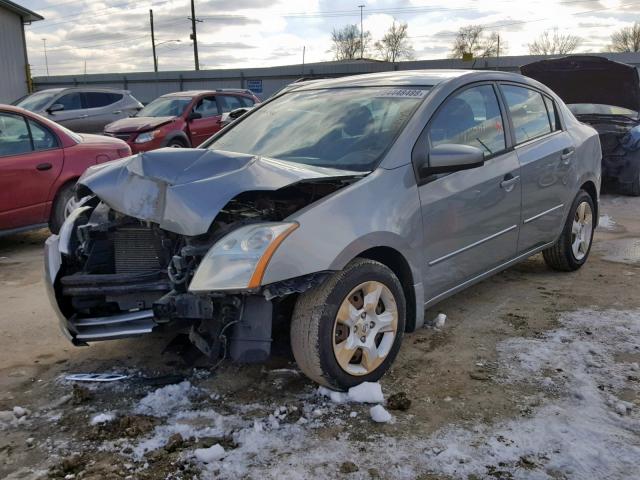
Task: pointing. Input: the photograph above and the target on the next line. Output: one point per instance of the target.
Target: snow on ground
(102, 418)
(581, 428)
(606, 222)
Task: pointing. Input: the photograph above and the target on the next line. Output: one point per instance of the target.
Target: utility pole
(361, 33)
(303, 52)
(498, 54)
(153, 42)
(194, 37)
(46, 61)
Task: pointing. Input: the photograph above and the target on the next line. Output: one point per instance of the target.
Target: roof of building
(26, 14)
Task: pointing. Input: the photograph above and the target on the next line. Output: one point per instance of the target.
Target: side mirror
(448, 158)
(56, 107)
(194, 116)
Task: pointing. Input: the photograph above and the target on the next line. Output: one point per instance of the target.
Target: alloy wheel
(581, 231)
(365, 328)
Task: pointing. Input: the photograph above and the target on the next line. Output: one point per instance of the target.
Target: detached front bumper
(79, 331)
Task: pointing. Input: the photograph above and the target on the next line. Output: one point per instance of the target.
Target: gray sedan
(83, 110)
(343, 207)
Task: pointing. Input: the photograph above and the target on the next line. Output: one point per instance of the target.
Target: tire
(61, 206)
(563, 256)
(316, 334)
(175, 143)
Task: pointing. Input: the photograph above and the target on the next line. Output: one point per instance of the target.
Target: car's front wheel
(348, 330)
(572, 249)
(64, 204)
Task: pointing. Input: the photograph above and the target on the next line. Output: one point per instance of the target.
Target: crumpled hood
(136, 124)
(588, 79)
(183, 190)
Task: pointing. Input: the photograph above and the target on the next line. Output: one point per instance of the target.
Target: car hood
(588, 79)
(137, 124)
(183, 190)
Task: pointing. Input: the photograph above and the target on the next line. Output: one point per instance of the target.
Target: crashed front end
(135, 256)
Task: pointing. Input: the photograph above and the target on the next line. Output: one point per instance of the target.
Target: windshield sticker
(402, 93)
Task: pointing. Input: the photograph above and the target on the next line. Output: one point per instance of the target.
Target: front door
(73, 115)
(30, 162)
(202, 128)
(547, 163)
(471, 217)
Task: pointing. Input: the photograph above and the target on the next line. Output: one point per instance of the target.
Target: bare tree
(626, 39)
(475, 41)
(395, 43)
(554, 43)
(346, 42)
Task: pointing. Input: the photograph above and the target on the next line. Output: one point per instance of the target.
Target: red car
(180, 119)
(40, 162)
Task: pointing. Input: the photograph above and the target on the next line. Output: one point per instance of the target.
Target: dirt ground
(451, 375)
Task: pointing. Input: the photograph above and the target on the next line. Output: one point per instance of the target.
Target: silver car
(84, 110)
(344, 207)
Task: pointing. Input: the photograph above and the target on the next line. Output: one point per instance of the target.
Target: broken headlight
(240, 258)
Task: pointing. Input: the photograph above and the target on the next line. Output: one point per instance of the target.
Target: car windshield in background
(37, 101)
(165, 107)
(347, 128)
(596, 109)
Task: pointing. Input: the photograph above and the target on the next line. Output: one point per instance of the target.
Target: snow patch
(102, 418)
(209, 455)
(165, 400)
(606, 222)
(379, 414)
(366, 392)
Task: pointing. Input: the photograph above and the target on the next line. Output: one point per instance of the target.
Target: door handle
(567, 153)
(44, 166)
(83, 116)
(117, 112)
(509, 182)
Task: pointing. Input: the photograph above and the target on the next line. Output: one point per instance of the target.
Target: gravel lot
(534, 375)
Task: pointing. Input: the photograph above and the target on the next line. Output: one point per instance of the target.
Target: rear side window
(471, 117)
(207, 107)
(246, 101)
(553, 114)
(43, 138)
(70, 101)
(101, 99)
(528, 112)
(229, 102)
(14, 135)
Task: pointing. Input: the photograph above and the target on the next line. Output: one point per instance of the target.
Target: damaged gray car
(606, 95)
(341, 207)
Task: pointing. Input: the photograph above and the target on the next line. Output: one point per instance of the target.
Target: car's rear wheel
(63, 205)
(176, 144)
(349, 329)
(572, 249)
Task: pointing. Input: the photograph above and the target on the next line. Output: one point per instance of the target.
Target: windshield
(597, 109)
(37, 101)
(347, 128)
(165, 107)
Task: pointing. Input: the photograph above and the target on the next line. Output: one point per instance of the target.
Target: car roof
(194, 93)
(416, 78)
(82, 89)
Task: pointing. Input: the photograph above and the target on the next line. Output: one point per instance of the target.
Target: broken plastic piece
(95, 377)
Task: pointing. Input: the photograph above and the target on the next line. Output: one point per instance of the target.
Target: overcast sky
(114, 36)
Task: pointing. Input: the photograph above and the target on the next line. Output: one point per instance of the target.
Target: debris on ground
(95, 377)
(348, 467)
(80, 394)
(379, 414)
(399, 401)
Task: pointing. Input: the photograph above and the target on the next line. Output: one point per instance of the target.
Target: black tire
(176, 143)
(312, 324)
(560, 256)
(57, 216)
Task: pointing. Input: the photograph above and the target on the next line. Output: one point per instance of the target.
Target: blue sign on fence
(255, 86)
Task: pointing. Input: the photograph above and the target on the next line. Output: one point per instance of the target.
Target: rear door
(202, 128)
(73, 116)
(102, 109)
(470, 218)
(547, 160)
(31, 160)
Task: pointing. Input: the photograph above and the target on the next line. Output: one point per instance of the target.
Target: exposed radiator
(135, 251)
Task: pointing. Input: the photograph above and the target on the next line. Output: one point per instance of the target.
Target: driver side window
(207, 107)
(471, 117)
(70, 101)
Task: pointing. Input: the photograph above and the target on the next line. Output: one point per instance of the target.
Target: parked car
(345, 206)
(180, 119)
(230, 117)
(85, 110)
(40, 162)
(606, 95)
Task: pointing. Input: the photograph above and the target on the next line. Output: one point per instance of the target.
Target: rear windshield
(346, 128)
(165, 107)
(36, 101)
(597, 109)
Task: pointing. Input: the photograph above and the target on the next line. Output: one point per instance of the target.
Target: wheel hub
(581, 231)
(365, 328)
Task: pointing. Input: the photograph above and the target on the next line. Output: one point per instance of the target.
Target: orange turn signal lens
(261, 267)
